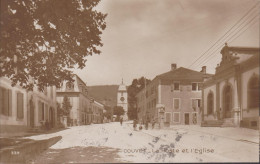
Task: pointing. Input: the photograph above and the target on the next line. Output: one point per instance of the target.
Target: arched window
(210, 103)
(253, 92)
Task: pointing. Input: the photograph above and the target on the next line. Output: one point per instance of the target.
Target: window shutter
(19, 105)
(6, 104)
(10, 102)
(46, 112)
(1, 100)
(39, 111)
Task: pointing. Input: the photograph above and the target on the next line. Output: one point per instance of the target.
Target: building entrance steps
(228, 122)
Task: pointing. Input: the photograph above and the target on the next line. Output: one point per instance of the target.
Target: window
(253, 92)
(5, 101)
(196, 103)
(196, 86)
(176, 117)
(41, 111)
(176, 86)
(19, 105)
(176, 103)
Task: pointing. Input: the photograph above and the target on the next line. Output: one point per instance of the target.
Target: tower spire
(122, 81)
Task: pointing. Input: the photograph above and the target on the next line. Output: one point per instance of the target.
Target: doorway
(227, 101)
(186, 119)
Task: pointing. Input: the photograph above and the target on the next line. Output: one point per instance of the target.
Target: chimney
(203, 69)
(173, 66)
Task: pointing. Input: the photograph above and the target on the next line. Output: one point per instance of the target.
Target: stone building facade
(81, 112)
(177, 92)
(21, 110)
(231, 96)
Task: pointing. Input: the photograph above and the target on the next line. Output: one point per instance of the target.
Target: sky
(144, 37)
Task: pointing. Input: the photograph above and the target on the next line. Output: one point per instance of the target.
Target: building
(173, 97)
(122, 98)
(21, 110)
(81, 112)
(231, 96)
(98, 112)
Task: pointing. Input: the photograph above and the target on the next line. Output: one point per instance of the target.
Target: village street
(111, 142)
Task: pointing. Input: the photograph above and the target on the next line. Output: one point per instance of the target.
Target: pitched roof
(182, 74)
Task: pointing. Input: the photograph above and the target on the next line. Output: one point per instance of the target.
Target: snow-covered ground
(177, 144)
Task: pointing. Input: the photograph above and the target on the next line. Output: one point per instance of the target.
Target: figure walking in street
(121, 121)
(140, 127)
(153, 122)
(135, 124)
(146, 125)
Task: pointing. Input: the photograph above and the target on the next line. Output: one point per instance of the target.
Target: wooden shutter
(6, 103)
(10, 102)
(46, 112)
(39, 111)
(1, 100)
(19, 105)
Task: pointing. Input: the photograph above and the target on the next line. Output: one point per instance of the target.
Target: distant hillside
(105, 94)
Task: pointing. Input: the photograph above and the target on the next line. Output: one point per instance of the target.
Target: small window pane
(194, 86)
(176, 86)
(176, 103)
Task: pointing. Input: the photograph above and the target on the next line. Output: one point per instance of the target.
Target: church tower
(122, 98)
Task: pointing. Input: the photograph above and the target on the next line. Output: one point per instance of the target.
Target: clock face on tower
(122, 99)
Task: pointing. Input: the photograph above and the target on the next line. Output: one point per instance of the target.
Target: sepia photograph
(129, 81)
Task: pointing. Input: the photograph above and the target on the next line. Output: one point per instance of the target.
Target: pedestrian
(135, 124)
(121, 121)
(153, 122)
(140, 127)
(146, 125)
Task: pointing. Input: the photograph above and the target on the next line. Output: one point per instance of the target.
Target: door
(186, 119)
(227, 101)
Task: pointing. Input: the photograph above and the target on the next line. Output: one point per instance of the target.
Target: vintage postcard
(129, 81)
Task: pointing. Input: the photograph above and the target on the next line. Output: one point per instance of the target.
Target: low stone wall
(23, 152)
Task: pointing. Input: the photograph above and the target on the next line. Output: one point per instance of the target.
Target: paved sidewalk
(27, 134)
